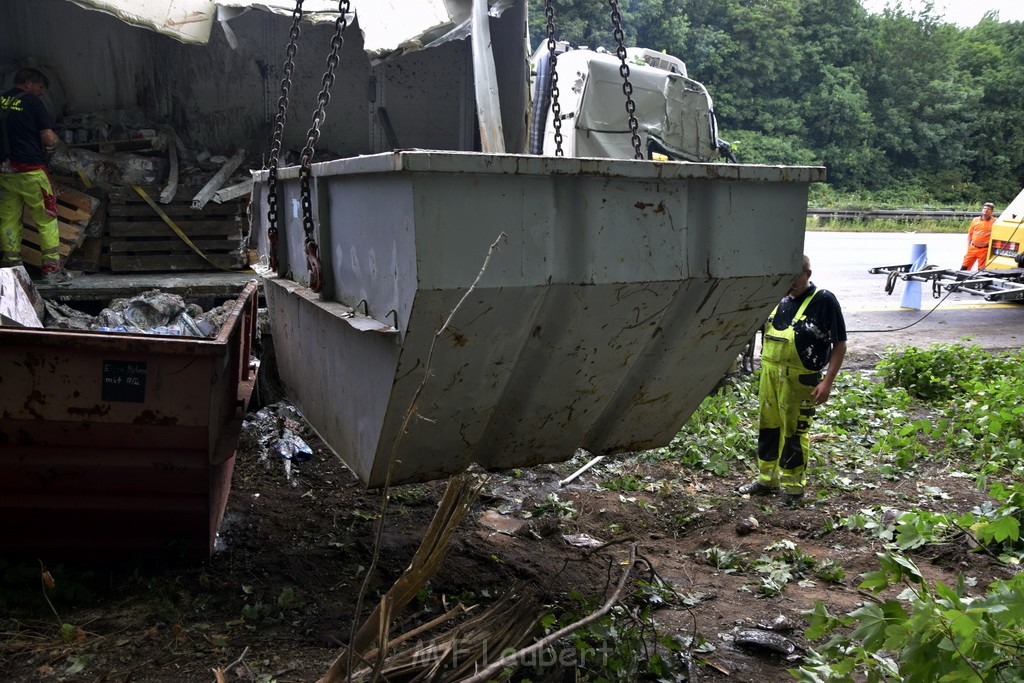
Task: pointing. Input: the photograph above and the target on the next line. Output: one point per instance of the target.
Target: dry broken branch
(515, 657)
(462, 650)
(361, 641)
(462, 490)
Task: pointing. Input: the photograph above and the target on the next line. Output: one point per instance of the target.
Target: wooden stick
(513, 658)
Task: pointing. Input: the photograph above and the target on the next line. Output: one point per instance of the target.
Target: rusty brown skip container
(119, 443)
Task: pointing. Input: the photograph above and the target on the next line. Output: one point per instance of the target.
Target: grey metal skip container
(619, 295)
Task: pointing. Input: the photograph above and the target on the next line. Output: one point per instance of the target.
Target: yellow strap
(175, 228)
(84, 178)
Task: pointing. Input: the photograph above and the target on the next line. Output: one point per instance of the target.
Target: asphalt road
(840, 262)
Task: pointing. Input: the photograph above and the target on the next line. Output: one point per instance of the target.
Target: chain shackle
(309, 244)
(279, 121)
(556, 108)
(312, 137)
(627, 87)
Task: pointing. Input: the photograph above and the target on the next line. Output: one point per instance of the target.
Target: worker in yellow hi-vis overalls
(26, 133)
(802, 349)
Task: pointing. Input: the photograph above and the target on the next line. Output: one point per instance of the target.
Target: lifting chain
(275, 150)
(556, 109)
(627, 87)
(323, 99)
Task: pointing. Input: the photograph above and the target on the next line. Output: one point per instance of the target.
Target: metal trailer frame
(993, 285)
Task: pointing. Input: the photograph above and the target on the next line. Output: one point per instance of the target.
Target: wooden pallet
(139, 240)
(75, 210)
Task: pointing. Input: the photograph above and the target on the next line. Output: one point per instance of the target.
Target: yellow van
(1004, 249)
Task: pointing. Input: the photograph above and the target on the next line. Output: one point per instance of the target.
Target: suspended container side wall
(618, 295)
(116, 442)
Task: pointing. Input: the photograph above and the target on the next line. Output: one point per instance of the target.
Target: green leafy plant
(623, 482)
(783, 563)
(276, 610)
(996, 527)
(552, 506)
(720, 435)
(728, 561)
(943, 371)
(623, 645)
(929, 633)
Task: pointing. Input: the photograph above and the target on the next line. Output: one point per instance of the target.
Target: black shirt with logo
(26, 116)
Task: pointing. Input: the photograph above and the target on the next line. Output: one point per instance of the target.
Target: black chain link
(275, 150)
(305, 170)
(627, 87)
(556, 109)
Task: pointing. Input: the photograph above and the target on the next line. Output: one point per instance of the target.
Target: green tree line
(899, 106)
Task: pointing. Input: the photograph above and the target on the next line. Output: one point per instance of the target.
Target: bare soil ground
(277, 600)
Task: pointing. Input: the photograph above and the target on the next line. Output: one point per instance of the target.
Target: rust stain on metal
(94, 411)
(35, 397)
(148, 417)
(459, 338)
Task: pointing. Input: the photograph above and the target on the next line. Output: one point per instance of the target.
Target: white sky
(962, 12)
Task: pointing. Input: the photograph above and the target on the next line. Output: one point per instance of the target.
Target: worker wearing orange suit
(978, 237)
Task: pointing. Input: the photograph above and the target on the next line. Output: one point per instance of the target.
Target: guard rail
(892, 214)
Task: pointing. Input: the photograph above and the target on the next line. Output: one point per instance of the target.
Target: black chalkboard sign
(124, 380)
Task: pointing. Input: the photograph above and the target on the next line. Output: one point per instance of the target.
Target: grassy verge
(882, 225)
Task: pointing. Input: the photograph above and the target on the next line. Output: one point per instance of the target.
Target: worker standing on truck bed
(26, 133)
(805, 335)
(978, 237)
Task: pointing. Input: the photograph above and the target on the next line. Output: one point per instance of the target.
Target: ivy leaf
(964, 674)
(909, 536)
(874, 620)
(821, 622)
(876, 582)
(896, 637)
(912, 573)
(964, 625)
(998, 530)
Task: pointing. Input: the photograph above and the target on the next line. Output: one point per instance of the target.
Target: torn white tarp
(190, 21)
(386, 24)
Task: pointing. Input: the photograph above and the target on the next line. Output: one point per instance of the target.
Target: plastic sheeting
(386, 25)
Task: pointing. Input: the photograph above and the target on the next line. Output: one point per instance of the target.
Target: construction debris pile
(152, 312)
(133, 197)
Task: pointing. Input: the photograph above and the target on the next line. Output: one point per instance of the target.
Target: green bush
(929, 633)
(945, 370)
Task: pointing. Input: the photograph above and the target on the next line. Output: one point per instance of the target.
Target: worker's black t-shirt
(822, 327)
(26, 116)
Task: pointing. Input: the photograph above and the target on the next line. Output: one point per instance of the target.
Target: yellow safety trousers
(786, 408)
(28, 190)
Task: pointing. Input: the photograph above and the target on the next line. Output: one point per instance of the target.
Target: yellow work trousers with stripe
(30, 190)
(786, 407)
